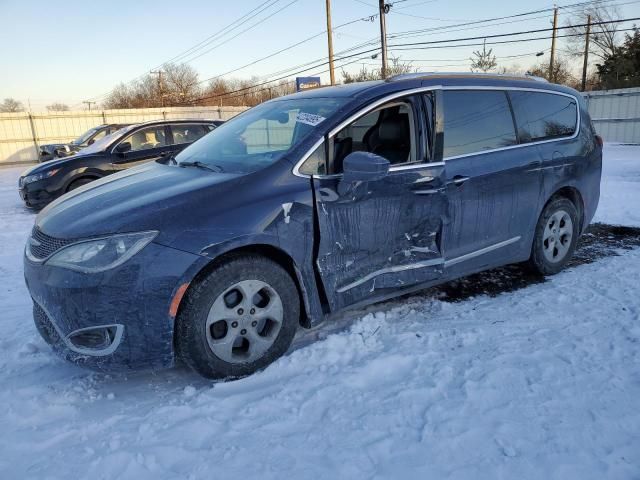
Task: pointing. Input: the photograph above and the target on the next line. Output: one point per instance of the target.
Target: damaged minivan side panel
(385, 234)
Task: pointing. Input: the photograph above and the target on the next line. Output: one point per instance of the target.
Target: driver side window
(147, 138)
(388, 131)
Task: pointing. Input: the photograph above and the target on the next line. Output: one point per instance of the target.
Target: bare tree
(243, 92)
(483, 61)
(176, 85)
(180, 84)
(397, 67)
(561, 72)
(603, 38)
(58, 107)
(11, 105)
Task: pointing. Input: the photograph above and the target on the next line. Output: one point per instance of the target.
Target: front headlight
(92, 256)
(39, 176)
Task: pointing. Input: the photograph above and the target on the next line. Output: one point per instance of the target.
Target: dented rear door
(380, 236)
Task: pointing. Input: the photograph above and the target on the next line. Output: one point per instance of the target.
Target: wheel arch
(80, 175)
(270, 252)
(572, 194)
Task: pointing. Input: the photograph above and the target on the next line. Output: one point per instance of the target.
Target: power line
(520, 40)
(448, 28)
(289, 47)
(486, 20)
(232, 26)
(243, 31)
(398, 35)
(418, 46)
(243, 19)
(524, 32)
(229, 95)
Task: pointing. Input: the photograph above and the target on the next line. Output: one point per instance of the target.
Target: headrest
(394, 128)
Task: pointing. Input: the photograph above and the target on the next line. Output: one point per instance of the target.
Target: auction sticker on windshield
(309, 118)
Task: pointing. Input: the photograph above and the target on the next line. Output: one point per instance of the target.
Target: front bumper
(128, 306)
(39, 194)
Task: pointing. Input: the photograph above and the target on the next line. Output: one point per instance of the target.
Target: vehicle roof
(427, 79)
(177, 120)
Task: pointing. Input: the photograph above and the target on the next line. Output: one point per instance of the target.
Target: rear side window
(543, 116)
(475, 121)
(187, 133)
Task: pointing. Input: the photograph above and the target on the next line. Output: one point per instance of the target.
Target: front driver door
(148, 143)
(381, 236)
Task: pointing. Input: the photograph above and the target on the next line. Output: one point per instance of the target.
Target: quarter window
(475, 121)
(542, 116)
(316, 163)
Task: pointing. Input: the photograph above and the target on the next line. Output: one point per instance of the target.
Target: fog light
(100, 340)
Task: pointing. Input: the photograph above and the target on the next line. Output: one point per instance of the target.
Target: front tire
(238, 319)
(79, 183)
(556, 237)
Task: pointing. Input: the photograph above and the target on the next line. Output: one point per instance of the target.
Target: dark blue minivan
(306, 205)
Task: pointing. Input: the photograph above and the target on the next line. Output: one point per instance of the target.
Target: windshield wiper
(202, 165)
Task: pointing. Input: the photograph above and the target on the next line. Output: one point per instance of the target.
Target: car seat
(393, 139)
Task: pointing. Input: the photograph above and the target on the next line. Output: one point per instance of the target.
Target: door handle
(428, 191)
(459, 180)
(425, 179)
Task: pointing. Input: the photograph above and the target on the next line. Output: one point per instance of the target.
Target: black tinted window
(542, 116)
(475, 121)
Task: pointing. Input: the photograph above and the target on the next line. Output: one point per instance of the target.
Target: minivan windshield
(260, 136)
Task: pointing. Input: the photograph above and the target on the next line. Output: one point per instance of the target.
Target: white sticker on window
(309, 118)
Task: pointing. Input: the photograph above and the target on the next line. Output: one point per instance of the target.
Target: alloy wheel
(557, 236)
(244, 321)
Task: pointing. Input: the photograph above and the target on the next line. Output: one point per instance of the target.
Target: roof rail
(410, 76)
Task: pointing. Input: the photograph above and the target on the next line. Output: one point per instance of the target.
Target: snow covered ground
(540, 382)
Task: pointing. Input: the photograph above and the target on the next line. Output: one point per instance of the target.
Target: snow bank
(620, 190)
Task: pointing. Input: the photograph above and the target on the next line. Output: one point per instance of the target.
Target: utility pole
(159, 73)
(88, 102)
(553, 45)
(383, 9)
(330, 42)
(586, 54)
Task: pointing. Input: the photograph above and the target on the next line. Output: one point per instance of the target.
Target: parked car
(127, 147)
(59, 150)
(307, 205)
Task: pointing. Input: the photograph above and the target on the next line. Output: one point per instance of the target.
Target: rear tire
(555, 237)
(238, 319)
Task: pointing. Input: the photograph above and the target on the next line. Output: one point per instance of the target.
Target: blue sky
(72, 50)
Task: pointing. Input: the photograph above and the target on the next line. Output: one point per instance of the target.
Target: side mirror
(124, 147)
(364, 167)
(90, 142)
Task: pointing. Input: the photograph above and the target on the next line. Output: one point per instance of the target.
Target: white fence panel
(21, 133)
(616, 114)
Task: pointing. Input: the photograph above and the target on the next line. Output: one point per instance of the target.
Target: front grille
(20, 182)
(44, 325)
(42, 245)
